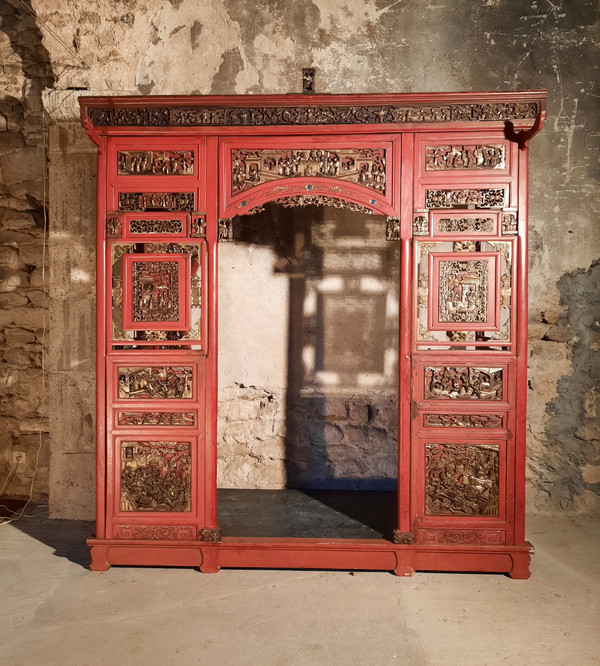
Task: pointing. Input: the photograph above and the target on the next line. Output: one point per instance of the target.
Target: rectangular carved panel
(156, 476)
(462, 479)
(150, 226)
(156, 382)
(463, 291)
(464, 537)
(466, 225)
(155, 287)
(156, 532)
(156, 418)
(365, 166)
(457, 157)
(142, 201)
(463, 383)
(462, 198)
(155, 162)
(462, 420)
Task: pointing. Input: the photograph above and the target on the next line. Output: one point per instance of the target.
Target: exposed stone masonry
(25, 71)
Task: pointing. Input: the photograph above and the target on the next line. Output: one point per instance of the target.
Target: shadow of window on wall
(342, 362)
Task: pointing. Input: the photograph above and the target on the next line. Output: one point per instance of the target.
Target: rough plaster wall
(25, 71)
(237, 46)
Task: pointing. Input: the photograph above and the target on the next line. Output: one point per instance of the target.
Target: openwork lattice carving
(156, 382)
(321, 200)
(317, 114)
(156, 418)
(466, 224)
(480, 198)
(462, 479)
(364, 166)
(479, 156)
(463, 383)
(463, 291)
(142, 201)
(155, 291)
(149, 226)
(155, 162)
(462, 420)
(156, 476)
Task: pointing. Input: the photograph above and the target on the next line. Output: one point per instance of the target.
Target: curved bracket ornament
(403, 538)
(210, 535)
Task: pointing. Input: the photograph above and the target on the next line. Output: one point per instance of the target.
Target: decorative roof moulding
(519, 111)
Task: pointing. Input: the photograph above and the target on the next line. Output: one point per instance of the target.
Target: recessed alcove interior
(308, 374)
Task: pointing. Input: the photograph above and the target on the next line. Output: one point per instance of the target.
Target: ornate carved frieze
(421, 224)
(455, 157)
(462, 537)
(156, 532)
(365, 166)
(463, 198)
(393, 229)
(114, 226)
(463, 383)
(156, 382)
(210, 535)
(155, 162)
(156, 418)
(462, 479)
(463, 291)
(225, 232)
(156, 476)
(317, 114)
(321, 200)
(466, 224)
(149, 226)
(155, 291)
(143, 201)
(198, 225)
(510, 226)
(462, 420)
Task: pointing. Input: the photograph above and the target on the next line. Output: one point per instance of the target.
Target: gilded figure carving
(480, 198)
(114, 227)
(466, 224)
(455, 157)
(310, 115)
(462, 420)
(143, 201)
(155, 418)
(225, 232)
(210, 535)
(198, 225)
(510, 225)
(142, 226)
(155, 291)
(463, 383)
(155, 162)
(364, 166)
(463, 291)
(462, 480)
(393, 229)
(403, 538)
(156, 382)
(156, 476)
(421, 225)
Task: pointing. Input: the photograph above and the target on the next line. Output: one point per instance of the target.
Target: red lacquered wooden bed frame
(449, 171)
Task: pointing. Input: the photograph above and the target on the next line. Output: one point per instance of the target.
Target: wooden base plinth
(351, 554)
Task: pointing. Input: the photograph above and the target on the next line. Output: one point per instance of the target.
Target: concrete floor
(55, 611)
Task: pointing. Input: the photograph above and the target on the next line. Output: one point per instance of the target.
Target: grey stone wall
(239, 46)
(25, 71)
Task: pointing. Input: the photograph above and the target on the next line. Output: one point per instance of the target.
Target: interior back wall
(259, 46)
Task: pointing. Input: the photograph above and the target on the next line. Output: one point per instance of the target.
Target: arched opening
(308, 413)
